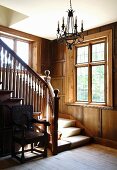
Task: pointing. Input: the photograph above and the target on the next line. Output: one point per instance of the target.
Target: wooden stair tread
(6, 91)
(13, 100)
(77, 141)
(70, 131)
(63, 123)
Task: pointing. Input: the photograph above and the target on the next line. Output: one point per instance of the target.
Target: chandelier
(69, 32)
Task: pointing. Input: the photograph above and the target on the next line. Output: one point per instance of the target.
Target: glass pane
(82, 54)
(23, 50)
(8, 41)
(98, 84)
(98, 52)
(82, 84)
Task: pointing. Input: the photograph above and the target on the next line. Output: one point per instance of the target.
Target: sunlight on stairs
(69, 135)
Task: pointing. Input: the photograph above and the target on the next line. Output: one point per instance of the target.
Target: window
(21, 47)
(91, 72)
(23, 50)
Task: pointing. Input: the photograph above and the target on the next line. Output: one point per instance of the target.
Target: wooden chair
(24, 133)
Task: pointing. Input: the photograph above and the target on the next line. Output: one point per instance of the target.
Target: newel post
(55, 122)
(55, 109)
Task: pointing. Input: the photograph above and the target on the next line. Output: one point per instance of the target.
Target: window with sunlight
(91, 72)
(19, 46)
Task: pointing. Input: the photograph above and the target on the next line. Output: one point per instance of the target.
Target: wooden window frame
(70, 79)
(90, 65)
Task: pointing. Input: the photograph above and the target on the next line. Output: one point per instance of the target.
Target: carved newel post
(55, 111)
(55, 121)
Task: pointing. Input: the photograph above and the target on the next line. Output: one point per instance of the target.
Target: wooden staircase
(69, 135)
(20, 85)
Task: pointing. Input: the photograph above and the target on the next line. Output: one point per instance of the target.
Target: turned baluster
(32, 90)
(24, 81)
(38, 95)
(29, 88)
(3, 70)
(0, 61)
(10, 72)
(21, 82)
(17, 79)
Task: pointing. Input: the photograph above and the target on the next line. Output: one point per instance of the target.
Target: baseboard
(106, 142)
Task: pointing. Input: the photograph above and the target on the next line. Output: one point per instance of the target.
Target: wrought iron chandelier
(69, 32)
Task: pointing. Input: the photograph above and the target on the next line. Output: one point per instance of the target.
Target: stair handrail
(52, 100)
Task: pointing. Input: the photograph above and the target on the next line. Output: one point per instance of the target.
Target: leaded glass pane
(82, 54)
(23, 50)
(98, 52)
(82, 84)
(98, 84)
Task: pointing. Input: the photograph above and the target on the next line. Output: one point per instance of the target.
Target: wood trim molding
(106, 142)
(17, 33)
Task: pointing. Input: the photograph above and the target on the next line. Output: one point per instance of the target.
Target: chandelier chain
(70, 5)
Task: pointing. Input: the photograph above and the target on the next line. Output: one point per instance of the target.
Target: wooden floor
(90, 157)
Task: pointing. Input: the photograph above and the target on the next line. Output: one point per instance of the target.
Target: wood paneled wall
(51, 55)
(100, 121)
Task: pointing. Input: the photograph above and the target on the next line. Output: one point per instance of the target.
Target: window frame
(70, 79)
(90, 65)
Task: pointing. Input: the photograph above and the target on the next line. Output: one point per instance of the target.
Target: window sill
(90, 105)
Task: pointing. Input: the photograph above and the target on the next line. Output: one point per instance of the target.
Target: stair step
(70, 131)
(62, 123)
(63, 145)
(77, 140)
(5, 92)
(13, 101)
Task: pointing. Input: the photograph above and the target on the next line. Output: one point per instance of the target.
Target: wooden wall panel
(91, 119)
(109, 124)
(63, 107)
(115, 87)
(45, 53)
(57, 69)
(57, 83)
(115, 31)
(58, 52)
(77, 112)
(115, 47)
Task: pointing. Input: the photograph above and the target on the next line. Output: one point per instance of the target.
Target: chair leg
(22, 156)
(31, 147)
(45, 146)
(13, 149)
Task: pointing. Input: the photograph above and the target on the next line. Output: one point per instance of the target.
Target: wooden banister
(17, 76)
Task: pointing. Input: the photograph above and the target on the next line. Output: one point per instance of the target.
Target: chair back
(22, 114)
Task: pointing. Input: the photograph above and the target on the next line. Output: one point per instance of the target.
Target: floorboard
(90, 157)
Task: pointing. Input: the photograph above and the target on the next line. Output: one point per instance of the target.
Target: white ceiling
(43, 15)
